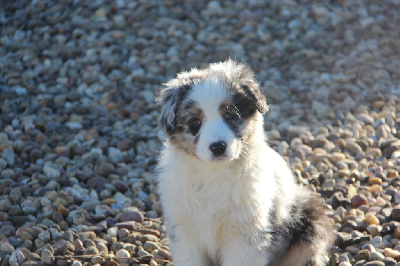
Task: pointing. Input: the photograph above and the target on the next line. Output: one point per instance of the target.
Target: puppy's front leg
(186, 252)
(237, 251)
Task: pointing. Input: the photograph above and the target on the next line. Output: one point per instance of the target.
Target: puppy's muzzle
(218, 148)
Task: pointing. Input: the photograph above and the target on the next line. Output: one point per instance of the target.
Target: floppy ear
(169, 99)
(253, 91)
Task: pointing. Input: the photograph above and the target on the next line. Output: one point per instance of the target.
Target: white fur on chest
(212, 204)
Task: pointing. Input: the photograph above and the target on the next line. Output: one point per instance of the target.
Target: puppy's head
(211, 114)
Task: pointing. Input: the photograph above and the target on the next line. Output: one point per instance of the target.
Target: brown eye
(194, 125)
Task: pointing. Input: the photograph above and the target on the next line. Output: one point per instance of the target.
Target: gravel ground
(78, 139)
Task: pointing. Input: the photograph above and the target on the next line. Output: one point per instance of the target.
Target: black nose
(218, 148)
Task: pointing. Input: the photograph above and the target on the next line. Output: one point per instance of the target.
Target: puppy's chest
(217, 199)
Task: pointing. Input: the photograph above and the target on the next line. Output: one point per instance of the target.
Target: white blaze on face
(209, 96)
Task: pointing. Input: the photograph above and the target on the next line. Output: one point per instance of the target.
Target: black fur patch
(245, 104)
(257, 97)
(245, 107)
(299, 228)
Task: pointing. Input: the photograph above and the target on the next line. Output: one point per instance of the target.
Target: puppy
(228, 198)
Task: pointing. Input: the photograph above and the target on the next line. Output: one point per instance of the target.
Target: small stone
(78, 217)
(396, 232)
(51, 172)
(374, 180)
(97, 259)
(352, 249)
(7, 230)
(374, 263)
(337, 157)
(374, 152)
(120, 185)
(29, 256)
(40, 137)
(102, 210)
(74, 125)
(64, 211)
(109, 201)
(359, 200)
(111, 262)
(122, 255)
(4, 204)
(374, 230)
(130, 216)
(123, 233)
(104, 169)
(389, 262)
(96, 182)
(115, 155)
(129, 225)
(391, 253)
(62, 151)
(376, 241)
(102, 247)
(378, 104)
(396, 213)
(116, 246)
(112, 231)
(367, 119)
(375, 188)
(44, 236)
(124, 144)
(17, 258)
(47, 257)
(165, 253)
(376, 256)
(8, 155)
(363, 254)
(150, 246)
(354, 148)
(91, 134)
(6, 247)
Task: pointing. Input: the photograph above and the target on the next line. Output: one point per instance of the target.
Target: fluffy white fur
(217, 212)
(214, 208)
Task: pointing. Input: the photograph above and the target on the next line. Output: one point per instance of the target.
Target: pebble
(130, 216)
(9, 156)
(6, 247)
(375, 263)
(389, 262)
(354, 148)
(122, 255)
(115, 155)
(396, 213)
(47, 257)
(104, 169)
(391, 253)
(358, 200)
(376, 256)
(370, 218)
(78, 217)
(97, 259)
(17, 258)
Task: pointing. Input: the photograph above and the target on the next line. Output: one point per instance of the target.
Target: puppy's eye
(194, 125)
(232, 113)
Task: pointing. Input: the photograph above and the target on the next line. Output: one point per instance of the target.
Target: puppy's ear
(169, 99)
(253, 91)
